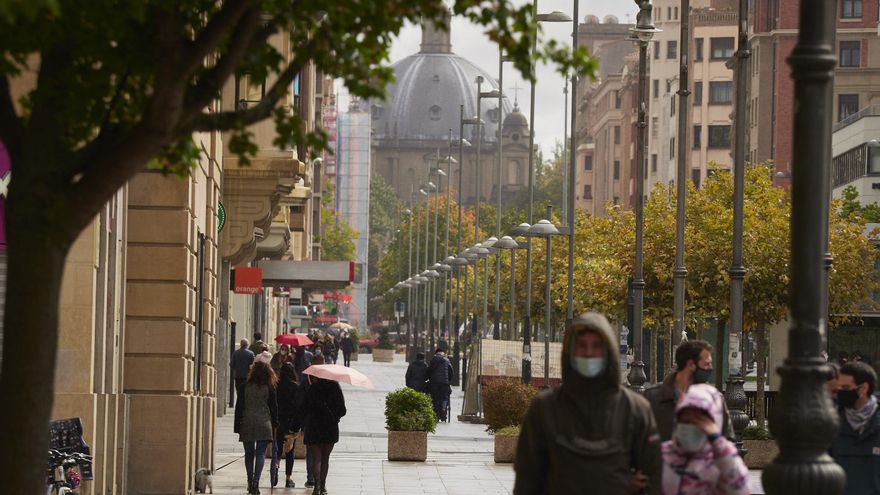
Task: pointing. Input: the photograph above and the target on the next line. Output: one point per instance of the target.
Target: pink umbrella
(294, 339)
(340, 374)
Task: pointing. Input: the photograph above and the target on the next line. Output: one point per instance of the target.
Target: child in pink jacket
(698, 460)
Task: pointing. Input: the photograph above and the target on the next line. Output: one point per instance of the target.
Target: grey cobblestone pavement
(459, 454)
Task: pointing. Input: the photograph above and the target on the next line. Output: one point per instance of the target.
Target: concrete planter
(407, 446)
(760, 453)
(505, 448)
(383, 355)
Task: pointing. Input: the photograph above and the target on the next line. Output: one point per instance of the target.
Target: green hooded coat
(590, 435)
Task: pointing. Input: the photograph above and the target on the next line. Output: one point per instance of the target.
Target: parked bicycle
(64, 472)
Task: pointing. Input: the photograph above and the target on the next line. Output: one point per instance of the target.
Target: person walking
(280, 357)
(857, 446)
(240, 364)
(288, 423)
(301, 393)
(302, 360)
(440, 376)
(347, 347)
(693, 362)
(591, 433)
(329, 349)
(258, 345)
(323, 407)
(255, 417)
(699, 460)
(417, 374)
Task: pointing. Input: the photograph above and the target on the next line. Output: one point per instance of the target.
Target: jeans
(254, 458)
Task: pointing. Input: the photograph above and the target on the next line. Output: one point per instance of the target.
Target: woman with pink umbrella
(323, 407)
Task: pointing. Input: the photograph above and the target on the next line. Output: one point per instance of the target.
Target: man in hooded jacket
(591, 435)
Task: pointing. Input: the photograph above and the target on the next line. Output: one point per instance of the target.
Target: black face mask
(847, 398)
(702, 375)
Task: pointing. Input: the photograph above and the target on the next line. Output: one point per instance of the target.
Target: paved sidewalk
(459, 454)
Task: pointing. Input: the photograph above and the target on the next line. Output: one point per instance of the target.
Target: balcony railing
(869, 111)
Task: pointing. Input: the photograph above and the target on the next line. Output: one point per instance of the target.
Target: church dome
(430, 86)
(515, 120)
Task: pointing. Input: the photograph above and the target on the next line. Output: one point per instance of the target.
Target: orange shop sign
(247, 280)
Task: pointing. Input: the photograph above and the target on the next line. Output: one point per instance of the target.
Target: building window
(671, 49)
(616, 169)
(656, 50)
(672, 107)
(720, 92)
(698, 49)
(675, 11)
(588, 163)
(654, 126)
(668, 13)
(847, 105)
(618, 99)
(719, 136)
(617, 134)
(722, 48)
(698, 92)
(698, 136)
(434, 112)
(654, 162)
(851, 9)
(695, 177)
(656, 83)
(850, 53)
(513, 172)
(671, 148)
(617, 200)
(668, 86)
(588, 191)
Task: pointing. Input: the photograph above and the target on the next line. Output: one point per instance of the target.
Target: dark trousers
(239, 387)
(346, 356)
(277, 453)
(440, 398)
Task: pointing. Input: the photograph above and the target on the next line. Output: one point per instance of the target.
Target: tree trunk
(761, 345)
(37, 249)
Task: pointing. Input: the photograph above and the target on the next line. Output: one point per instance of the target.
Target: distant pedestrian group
(434, 379)
(276, 399)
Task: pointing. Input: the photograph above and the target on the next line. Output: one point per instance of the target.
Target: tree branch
(10, 125)
(224, 121)
(207, 41)
(240, 43)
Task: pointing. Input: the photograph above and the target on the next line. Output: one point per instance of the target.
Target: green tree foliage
(121, 86)
(850, 205)
(337, 243)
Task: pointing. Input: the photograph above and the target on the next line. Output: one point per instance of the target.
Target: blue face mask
(589, 367)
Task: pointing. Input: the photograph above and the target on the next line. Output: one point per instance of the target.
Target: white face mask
(590, 367)
(689, 437)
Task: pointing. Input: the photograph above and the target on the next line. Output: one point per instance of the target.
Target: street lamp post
(642, 34)
(482, 253)
(417, 328)
(572, 172)
(527, 317)
(508, 243)
(546, 229)
(409, 273)
(679, 272)
(804, 422)
(735, 394)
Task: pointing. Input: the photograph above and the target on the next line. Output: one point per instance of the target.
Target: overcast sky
(469, 41)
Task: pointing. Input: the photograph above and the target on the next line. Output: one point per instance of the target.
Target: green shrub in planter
(355, 339)
(508, 431)
(385, 340)
(756, 433)
(505, 402)
(408, 410)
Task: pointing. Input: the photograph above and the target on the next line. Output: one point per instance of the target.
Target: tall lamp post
(554, 16)
(462, 262)
(804, 422)
(482, 253)
(572, 173)
(508, 243)
(409, 286)
(679, 272)
(642, 34)
(735, 395)
(546, 229)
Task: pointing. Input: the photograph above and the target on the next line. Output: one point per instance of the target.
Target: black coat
(417, 375)
(440, 370)
(322, 409)
(347, 345)
(287, 406)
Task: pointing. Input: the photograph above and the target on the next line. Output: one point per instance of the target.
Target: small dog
(204, 481)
